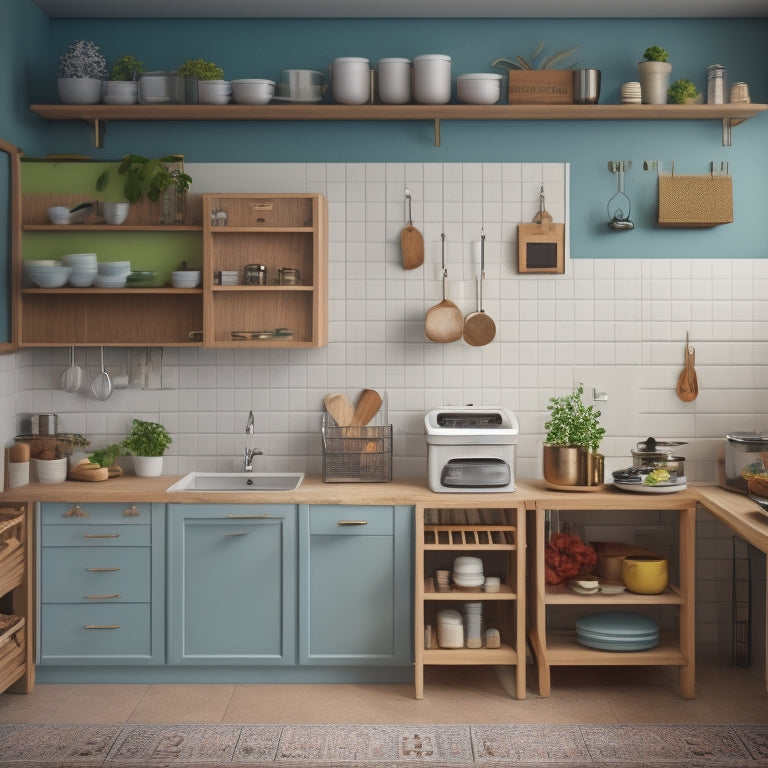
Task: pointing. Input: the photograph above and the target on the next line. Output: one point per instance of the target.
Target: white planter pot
(121, 92)
(148, 466)
(79, 90)
(654, 81)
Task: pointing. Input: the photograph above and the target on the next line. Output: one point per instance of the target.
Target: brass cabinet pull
(75, 511)
(101, 535)
(131, 511)
(102, 626)
(352, 522)
(102, 570)
(102, 597)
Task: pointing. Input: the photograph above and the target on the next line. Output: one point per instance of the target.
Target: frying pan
(479, 328)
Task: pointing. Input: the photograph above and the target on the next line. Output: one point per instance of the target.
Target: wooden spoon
(411, 241)
(367, 407)
(340, 408)
(479, 328)
(444, 322)
(688, 383)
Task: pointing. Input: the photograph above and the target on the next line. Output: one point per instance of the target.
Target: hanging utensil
(619, 221)
(688, 383)
(411, 240)
(72, 376)
(101, 386)
(479, 328)
(444, 322)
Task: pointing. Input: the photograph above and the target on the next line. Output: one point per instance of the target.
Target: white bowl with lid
(478, 88)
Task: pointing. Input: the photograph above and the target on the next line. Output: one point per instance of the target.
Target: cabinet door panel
(95, 536)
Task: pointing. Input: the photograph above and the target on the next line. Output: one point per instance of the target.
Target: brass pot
(572, 465)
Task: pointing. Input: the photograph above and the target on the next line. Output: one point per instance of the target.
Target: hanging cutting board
(541, 245)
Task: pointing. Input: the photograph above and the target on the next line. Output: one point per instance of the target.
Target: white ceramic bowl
(82, 278)
(59, 214)
(50, 470)
(253, 91)
(49, 277)
(116, 213)
(114, 267)
(111, 281)
(80, 260)
(479, 88)
(34, 263)
(214, 91)
(188, 278)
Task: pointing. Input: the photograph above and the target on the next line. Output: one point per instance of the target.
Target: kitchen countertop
(732, 509)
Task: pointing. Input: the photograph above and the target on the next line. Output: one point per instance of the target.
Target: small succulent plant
(683, 92)
(126, 68)
(82, 59)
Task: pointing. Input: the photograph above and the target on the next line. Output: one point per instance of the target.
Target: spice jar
(716, 84)
(289, 276)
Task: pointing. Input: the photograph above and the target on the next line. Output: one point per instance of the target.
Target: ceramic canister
(394, 81)
(432, 79)
(645, 574)
(351, 80)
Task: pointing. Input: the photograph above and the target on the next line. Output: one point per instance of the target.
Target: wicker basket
(356, 454)
(12, 546)
(695, 201)
(13, 649)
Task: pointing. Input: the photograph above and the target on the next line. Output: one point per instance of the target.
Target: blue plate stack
(617, 632)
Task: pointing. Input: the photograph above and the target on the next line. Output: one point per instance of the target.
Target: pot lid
(652, 445)
(756, 438)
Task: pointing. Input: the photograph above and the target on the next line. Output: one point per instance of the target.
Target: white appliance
(471, 449)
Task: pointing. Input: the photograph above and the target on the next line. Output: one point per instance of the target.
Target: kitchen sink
(238, 481)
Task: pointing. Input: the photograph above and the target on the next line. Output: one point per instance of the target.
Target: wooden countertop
(732, 509)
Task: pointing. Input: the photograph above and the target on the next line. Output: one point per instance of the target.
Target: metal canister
(255, 274)
(739, 93)
(716, 84)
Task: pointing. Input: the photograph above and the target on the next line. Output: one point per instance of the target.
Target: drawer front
(52, 512)
(90, 535)
(336, 520)
(101, 633)
(91, 575)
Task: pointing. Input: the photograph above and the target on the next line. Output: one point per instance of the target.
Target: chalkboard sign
(541, 247)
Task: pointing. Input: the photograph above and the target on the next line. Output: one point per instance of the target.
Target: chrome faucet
(250, 449)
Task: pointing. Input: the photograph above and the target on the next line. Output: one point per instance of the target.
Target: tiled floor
(451, 695)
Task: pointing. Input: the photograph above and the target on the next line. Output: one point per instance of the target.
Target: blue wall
(262, 48)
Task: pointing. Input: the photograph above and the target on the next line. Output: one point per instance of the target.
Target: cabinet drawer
(103, 632)
(91, 575)
(351, 521)
(89, 535)
(52, 512)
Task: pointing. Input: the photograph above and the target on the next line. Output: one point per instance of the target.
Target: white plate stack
(468, 572)
(473, 625)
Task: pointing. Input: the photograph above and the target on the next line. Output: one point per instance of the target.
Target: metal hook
(409, 220)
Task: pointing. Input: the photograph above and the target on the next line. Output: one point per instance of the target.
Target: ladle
(72, 376)
(101, 386)
(620, 222)
(444, 322)
(479, 328)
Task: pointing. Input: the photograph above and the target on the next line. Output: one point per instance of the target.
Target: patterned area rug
(383, 746)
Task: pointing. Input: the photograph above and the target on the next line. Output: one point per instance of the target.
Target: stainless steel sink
(238, 481)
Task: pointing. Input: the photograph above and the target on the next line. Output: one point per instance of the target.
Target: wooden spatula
(340, 408)
(411, 241)
(688, 383)
(367, 407)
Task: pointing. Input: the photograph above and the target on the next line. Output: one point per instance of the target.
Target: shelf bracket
(99, 127)
(728, 123)
(437, 131)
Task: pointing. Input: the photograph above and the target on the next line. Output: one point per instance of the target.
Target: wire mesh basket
(356, 454)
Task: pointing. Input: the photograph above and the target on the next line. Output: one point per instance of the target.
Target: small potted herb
(192, 71)
(123, 84)
(572, 441)
(80, 73)
(147, 442)
(683, 92)
(654, 72)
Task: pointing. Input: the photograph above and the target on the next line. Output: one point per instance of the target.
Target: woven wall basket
(695, 201)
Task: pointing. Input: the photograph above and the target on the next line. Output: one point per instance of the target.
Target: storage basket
(356, 454)
(12, 546)
(695, 201)
(13, 649)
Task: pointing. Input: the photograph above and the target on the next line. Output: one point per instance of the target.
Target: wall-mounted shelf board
(98, 114)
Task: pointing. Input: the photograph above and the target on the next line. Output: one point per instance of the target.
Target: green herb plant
(200, 69)
(126, 68)
(531, 62)
(655, 53)
(573, 423)
(683, 92)
(106, 456)
(150, 177)
(146, 438)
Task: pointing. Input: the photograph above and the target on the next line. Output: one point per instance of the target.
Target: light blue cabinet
(355, 603)
(101, 577)
(232, 584)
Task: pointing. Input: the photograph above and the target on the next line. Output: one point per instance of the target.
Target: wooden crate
(540, 86)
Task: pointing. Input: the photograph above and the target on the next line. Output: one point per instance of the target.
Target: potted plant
(683, 92)
(571, 445)
(80, 73)
(535, 80)
(123, 84)
(147, 442)
(654, 71)
(194, 70)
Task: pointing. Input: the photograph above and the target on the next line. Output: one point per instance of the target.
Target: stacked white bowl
(45, 273)
(479, 88)
(112, 274)
(186, 278)
(214, 91)
(84, 268)
(468, 572)
(254, 91)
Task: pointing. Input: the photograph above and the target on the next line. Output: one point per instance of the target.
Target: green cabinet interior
(354, 595)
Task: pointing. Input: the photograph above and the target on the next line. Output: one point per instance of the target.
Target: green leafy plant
(655, 53)
(531, 63)
(82, 59)
(150, 177)
(126, 68)
(146, 438)
(573, 423)
(200, 69)
(106, 456)
(683, 92)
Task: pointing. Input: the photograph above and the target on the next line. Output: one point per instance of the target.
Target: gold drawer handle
(101, 535)
(131, 511)
(102, 570)
(239, 533)
(102, 597)
(102, 626)
(75, 511)
(352, 522)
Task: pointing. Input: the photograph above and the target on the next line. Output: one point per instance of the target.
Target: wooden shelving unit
(501, 545)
